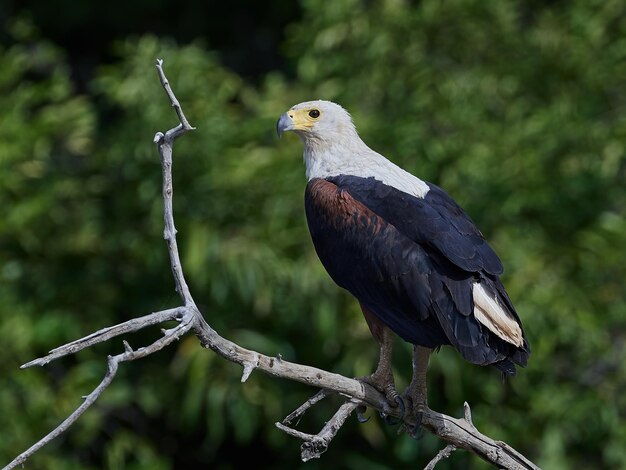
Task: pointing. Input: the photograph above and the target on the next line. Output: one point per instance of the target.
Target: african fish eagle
(414, 260)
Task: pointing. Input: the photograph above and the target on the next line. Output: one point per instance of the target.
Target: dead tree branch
(458, 432)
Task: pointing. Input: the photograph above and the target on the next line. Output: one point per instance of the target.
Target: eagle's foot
(416, 431)
(360, 414)
(416, 393)
(390, 420)
(416, 398)
(382, 381)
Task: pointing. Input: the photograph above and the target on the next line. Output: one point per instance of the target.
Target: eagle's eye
(314, 113)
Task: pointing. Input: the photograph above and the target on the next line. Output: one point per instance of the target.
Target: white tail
(489, 312)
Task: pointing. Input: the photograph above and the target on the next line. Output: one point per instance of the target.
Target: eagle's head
(317, 121)
(333, 147)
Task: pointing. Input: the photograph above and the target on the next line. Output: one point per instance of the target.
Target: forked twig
(315, 445)
(106, 334)
(186, 315)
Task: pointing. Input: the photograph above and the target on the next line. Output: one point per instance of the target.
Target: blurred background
(517, 108)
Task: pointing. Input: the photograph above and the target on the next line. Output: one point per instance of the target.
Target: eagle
(412, 257)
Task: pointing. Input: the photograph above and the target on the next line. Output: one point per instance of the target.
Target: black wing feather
(436, 220)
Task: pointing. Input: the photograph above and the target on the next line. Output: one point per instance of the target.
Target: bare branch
(165, 144)
(113, 362)
(297, 414)
(278, 367)
(184, 125)
(456, 431)
(461, 433)
(294, 432)
(187, 315)
(315, 445)
(106, 334)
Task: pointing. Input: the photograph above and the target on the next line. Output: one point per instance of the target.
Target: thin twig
(165, 144)
(467, 414)
(315, 448)
(315, 445)
(106, 334)
(184, 125)
(297, 414)
(294, 432)
(442, 454)
(113, 362)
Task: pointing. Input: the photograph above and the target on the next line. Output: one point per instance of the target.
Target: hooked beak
(285, 123)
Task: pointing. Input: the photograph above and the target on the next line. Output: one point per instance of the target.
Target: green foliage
(517, 110)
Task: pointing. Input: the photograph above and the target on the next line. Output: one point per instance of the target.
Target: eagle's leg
(416, 392)
(382, 378)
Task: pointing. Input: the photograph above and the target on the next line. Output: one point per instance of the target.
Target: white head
(318, 122)
(332, 146)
